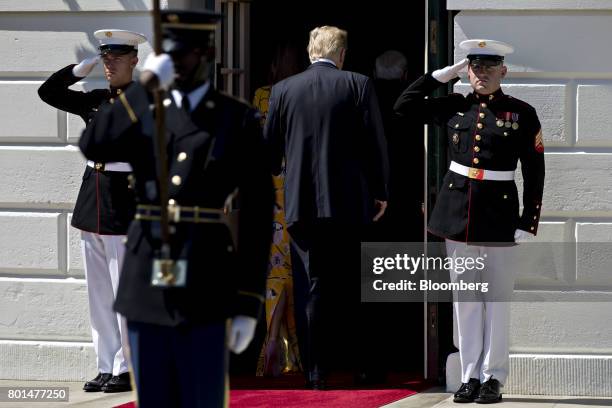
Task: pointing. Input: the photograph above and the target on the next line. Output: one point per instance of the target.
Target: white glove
(163, 67)
(84, 68)
(522, 236)
(241, 333)
(446, 74)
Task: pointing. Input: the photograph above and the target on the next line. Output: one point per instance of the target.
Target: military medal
(508, 124)
(499, 123)
(515, 117)
(455, 138)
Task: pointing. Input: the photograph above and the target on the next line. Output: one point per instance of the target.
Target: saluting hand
(158, 71)
(446, 74)
(84, 68)
(241, 333)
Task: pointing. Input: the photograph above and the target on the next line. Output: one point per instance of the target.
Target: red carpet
(311, 399)
(285, 392)
(315, 399)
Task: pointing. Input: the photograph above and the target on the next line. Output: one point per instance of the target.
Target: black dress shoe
(468, 391)
(97, 383)
(489, 392)
(119, 383)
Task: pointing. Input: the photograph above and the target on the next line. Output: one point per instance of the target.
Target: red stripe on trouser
(98, 198)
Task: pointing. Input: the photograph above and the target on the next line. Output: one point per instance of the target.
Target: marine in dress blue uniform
(477, 210)
(105, 204)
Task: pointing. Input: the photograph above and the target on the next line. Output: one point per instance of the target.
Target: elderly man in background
(403, 221)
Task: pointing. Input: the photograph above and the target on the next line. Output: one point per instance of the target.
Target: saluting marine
(105, 204)
(477, 210)
(178, 328)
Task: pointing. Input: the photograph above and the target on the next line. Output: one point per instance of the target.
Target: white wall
(44, 316)
(563, 67)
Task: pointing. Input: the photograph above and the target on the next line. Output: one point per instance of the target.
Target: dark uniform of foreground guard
(477, 211)
(214, 145)
(105, 205)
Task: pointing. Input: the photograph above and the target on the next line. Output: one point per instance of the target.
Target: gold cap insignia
(173, 18)
(109, 34)
(482, 44)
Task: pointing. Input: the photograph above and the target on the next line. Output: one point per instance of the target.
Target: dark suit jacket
(327, 124)
(211, 152)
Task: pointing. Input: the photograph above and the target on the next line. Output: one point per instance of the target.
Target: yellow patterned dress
(280, 353)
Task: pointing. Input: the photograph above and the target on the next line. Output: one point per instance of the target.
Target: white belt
(481, 174)
(112, 166)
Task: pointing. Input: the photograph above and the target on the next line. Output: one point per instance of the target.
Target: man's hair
(326, 42)
(390, 65)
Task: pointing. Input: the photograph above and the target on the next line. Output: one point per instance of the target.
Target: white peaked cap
(486, 47)
(119, 37)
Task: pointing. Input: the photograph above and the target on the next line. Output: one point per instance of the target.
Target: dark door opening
(372, 29)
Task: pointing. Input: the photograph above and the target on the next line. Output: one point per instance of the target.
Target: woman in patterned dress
(280, 352)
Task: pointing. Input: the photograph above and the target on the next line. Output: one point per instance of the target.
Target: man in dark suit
(178, 328)
(327, 124)
(105, 204)
(477, 211)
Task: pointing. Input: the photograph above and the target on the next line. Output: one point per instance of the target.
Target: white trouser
(103, 257)
(483, 327)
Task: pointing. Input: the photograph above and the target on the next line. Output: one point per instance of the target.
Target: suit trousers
(326, 271)
(483, 323)
(103, 258)
(180, 366)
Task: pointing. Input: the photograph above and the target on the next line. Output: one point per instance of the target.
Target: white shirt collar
(325, 60)
(194, 96)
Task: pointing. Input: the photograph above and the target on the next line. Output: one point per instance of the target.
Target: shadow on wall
(39, 46)
(545, 41)
(128, 5)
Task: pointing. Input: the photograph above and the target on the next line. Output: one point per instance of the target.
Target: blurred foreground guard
(105, 204)
(178, 329)
(477, 211)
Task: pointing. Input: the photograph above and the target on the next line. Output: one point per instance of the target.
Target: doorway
(372, 30)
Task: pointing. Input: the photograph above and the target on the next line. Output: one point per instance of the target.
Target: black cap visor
(120, 49)
(485, 60)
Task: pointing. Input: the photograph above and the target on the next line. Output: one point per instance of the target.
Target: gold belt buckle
(475, 173)
(99, 166)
